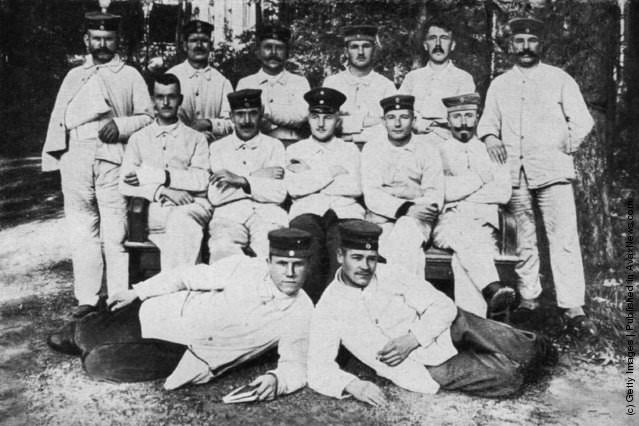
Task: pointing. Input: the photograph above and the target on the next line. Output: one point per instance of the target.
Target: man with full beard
(439, 79)
(363, 87)
(535, 119)
(100, 104)
(474, 189)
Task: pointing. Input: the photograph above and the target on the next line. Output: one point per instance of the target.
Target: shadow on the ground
(26, 193)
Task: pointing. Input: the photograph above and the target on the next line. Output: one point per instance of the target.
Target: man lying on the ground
(196, 322)
(410, 333)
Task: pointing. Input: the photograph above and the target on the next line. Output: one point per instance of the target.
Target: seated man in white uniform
(246, 186)
(168, 164)
(323, 180)
(197, 322)
(403, 185)
(475, 187)
(410, 333)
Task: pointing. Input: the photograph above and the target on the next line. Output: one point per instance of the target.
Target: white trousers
(557, 207)
(96, 218)
(473, 263)
(178, 230)
(229, 237)
(401, 243)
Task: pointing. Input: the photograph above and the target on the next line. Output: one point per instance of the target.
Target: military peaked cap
(397, 102)
(290, 242)
(359, 234)
(275, 32)
(324, 99)
(360, 32)
(197, 26)
(460, 102)
(102, 21)
(526, 26)
(247, 98)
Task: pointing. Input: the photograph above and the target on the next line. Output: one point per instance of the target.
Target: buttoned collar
(443, 71)
(171, 129)
(252, 143)
(353, 80)
(331, 145)
(114, 65)
(269, 293)
(411, 146)
(206, 72)
(262, 77)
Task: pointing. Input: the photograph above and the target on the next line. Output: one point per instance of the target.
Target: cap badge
(397, 100)
(247, 104)
(291, 253)
(368, 246)
(101, 27)
(198, 27)
(321, 92)
(321, 101)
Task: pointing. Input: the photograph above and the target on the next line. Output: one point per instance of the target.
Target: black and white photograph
(315, 212)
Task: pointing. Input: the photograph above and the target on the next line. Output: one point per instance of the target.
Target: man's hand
(496, 149)
(222, 179)
(267, 387)
(210, 137)
(269, 173)
(423, 212)
(337, 170)
(398, 349)
(175, 196)
(121, 299)
(421, 126)
(131, 178)
(201, 125)
(366, 392)
(109, 133)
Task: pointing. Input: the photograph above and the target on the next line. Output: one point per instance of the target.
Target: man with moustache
(409, 333)
(363, 87)
(323, 179)
(284, 108)
(534, 120)
(403, 185)
(205, 107)
(440, 78)
(168, 164)
(474, 188)
(196, 322)
(100, 104)
(246, 187)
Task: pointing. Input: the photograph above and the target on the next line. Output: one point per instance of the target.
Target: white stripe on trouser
(557, 207)
(473, 261)
(96, 217)
(178, 230)
(229, 237)
(401, 244)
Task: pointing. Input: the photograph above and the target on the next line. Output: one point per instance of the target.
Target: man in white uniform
(284, 107)
(323, 178)
(440, 78)
(100, 104)
(475, 187)
(410, 333)
(363, 87)
(197, 322)
(168, 164)
(246, 186)
(403, 185)
(535, 119)
(205, 107)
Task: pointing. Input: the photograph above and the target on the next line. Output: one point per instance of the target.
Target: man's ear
(85, 38)
(340, 256)
(180, 99)
(452, 45)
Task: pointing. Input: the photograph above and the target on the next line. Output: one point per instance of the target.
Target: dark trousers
(113, 348)
(324, 250)
(494, 359)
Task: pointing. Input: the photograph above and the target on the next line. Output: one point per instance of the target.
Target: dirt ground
(38, 386)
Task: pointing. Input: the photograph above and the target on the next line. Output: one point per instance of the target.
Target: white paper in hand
(246, 393)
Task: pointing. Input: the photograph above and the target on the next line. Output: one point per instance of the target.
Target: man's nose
(321, 121)
(102, 42)
(165, 101)
(398, 122)
(290, 270)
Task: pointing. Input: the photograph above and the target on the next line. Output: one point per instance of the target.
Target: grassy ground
(38, 386)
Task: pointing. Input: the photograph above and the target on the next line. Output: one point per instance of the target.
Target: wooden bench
(144, 256)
